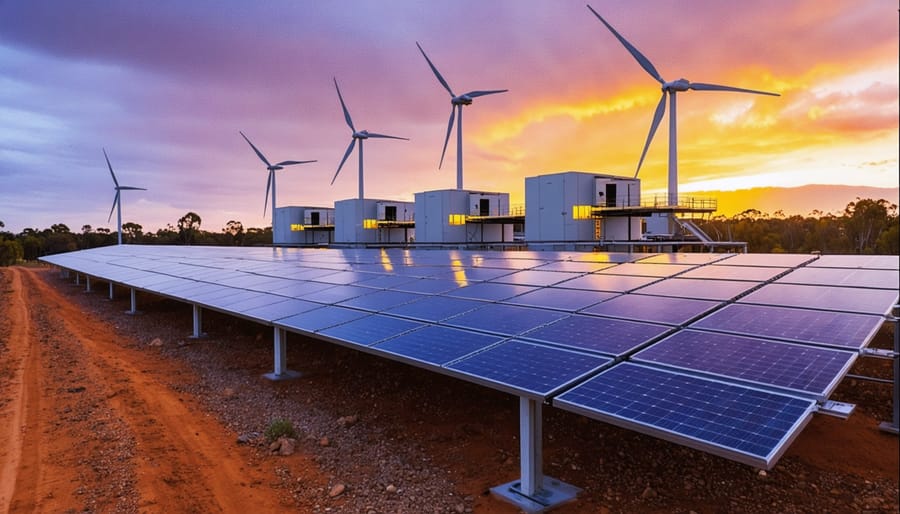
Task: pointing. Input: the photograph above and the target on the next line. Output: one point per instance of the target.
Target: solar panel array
(728, 353)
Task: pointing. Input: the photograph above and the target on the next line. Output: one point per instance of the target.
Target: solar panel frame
(435, 308)
(700, 289)
(434, 346)
(502, 319)
(566, 300)
(592, 334)
(317, 320)
(725, 272)
(609, 283)
(841, 277)
(840, 299)
(670, 310)
(370, 330)
(490, 291)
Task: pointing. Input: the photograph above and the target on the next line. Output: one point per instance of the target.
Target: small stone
(287, 447)
(324, 441)
(337, 490)
(275, 446)
(762, 473)
(243, 439)
(648, 493)
(347, 421)
(391, 488)
(156, 342)
(228, 392)
(460, 508)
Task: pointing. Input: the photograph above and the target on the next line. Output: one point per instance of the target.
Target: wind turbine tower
(117, 201)
(670, 90)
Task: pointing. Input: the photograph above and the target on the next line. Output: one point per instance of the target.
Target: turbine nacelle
(677, 85)
(461, 100)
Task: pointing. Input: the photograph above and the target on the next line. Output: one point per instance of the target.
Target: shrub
(280, 428)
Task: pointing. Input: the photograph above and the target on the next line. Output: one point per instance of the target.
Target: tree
(864, 221)
(235, 229)
(10, 252)
(132, 231)
(187, 226)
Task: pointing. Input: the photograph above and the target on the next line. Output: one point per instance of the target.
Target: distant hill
(796, 200)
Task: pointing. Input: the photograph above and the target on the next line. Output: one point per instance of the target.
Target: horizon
(166, 87)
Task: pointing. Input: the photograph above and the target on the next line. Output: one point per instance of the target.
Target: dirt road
(88, 423)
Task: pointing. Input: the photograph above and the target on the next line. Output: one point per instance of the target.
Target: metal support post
(77, 279)
(111, 294)
(533, 492)
(133, 302)
(281, 372)
(893, 426)
(198, 322)
(87, 283)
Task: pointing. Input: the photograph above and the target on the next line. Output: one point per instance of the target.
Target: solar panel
(381, 300)
(699, 289)
(250, 302)
(593, 334)
(684, 258)
(470, 274)
(283, 309)
(435, 308)
(857, 261)
(575, 266)
(490, 291)
(527, 369)
(388, 281)
(428, 285)
(611, 283)
(741, 423)
(723, 272)
(319, 319)
(535, 278)
(647, 269)
(436, 346)
(863, 301)
(371, 329)
(869, 278)
(780, 260)
(504, 319)
(660, 309)
(569, 300)
(797, 368)
(839, 329)
(337, 294)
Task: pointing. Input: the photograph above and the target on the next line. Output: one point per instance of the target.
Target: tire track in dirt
(183, 459)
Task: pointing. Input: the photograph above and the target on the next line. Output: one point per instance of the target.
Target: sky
(165, 86)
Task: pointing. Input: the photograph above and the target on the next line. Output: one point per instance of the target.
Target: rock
(460, 508)
(324, 441)
(244, 439)
(287, 447)
(391, 488)
(156, 342)
(228, 392)
(337, 490)
(762, 474)
(648, 493)
(275, 446)
(347, 421)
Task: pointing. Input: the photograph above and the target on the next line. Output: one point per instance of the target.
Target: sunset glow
(165, 87)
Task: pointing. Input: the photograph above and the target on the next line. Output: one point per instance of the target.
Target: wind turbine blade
(268, 186)
(115, 201)
(657, 117)
(641, 59)
(699, 86)
(344, 106)
(476, 94)
(449, 130)
(131, 188)
(372, 134)
(436, 72)
(116, 182)
(255, 149)
(346, 154)
(288, 163)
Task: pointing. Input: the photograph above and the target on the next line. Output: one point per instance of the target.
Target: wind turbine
(361, 135)
(457, 103)
(270, 182)
(669, 89)
(117, 201)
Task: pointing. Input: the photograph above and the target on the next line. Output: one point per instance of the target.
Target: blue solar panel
(275, 311)
(863, 301)
(436, 345)
(699, 289)
(381, 300)
(490, 291)
(722, 272)
(388, 281)
(870, 278)
(575, 266)
(684, 258)
(371, 329)
(589, 333)
(612, 283)
(857, 261)
(780, 260)
(337, 294)
(504, 319)
(568, 300)
(535, 278)
(435, 308)
(737, 422)
(251, 302)
(318, 319)
(647, 269)
(789, 366)
(528, 369)
(471, 274)
(839, 329)
(428, 285)
(661, 309)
